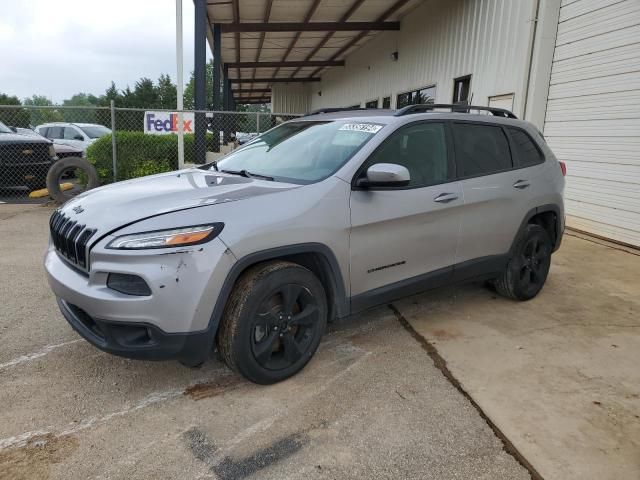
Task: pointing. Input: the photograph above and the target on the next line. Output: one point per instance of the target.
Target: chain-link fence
(122, 143)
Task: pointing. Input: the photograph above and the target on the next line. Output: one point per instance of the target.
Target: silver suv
(314, 220)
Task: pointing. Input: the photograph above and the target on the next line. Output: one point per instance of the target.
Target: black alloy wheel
(273, 322)
(526, 272)
(285, 326)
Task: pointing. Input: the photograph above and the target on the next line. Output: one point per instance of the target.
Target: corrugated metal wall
(290, 98)
(439, 41)
(593, 115)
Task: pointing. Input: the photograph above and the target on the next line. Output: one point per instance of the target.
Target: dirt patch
(34, 460)
(442, 334)
(215, 388)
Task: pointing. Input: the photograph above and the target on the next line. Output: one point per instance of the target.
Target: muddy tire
(528, 267)
(273, 321)
(57, 170)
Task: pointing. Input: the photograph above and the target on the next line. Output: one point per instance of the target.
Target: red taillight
(563, 167)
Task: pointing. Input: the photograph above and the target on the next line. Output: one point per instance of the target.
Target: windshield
(4, 128)
(96, 131)
(301, 152)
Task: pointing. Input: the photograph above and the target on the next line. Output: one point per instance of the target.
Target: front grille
(70, 238)
(25, 153)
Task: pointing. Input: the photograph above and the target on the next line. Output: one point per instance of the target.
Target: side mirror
(385, 175)
(79, 137)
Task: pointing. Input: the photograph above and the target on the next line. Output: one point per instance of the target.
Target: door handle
(445, 197)
(521, 184)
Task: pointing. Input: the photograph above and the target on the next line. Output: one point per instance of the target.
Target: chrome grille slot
(70, 238)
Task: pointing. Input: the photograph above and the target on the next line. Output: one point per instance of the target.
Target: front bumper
(21, 174)
(137, 340)
(173, 322)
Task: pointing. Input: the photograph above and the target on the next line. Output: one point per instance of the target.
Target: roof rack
(336, 109)
(425, 107)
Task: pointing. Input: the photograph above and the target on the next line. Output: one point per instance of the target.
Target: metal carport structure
(258, 43)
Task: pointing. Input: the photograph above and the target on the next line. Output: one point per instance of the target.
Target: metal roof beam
(295, 64)
(274, 80)
(354, 6)
(308, 27)
(307, 18)
(267, 14)
(252, 90)
(388, 12)
(252, 101)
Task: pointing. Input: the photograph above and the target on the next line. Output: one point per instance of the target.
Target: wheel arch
(317, 257)
(547, 216)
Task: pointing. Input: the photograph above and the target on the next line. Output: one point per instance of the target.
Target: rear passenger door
(497, 194)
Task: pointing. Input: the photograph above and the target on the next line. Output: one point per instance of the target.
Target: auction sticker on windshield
(361, 127)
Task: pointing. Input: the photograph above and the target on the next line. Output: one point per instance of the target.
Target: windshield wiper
(247, 174)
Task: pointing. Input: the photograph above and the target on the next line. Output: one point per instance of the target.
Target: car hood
(113, 206)
(20, 138)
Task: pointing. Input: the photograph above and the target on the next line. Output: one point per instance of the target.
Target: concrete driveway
(559, 375)
(371, 404)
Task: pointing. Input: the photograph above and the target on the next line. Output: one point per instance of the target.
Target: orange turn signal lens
(189, 237)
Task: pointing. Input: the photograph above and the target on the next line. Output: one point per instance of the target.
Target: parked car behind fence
(135, 153)
(24, 159)
(78, 135)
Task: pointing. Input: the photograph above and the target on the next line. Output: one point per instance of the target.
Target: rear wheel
(273, 322)
(528, 268)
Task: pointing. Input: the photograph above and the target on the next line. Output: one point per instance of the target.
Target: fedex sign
(162, 123)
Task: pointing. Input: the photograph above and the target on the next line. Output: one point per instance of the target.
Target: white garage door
(593, 115)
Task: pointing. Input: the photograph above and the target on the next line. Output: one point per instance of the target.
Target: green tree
(111, 93)
(128, 98)
(42, 115)
(15, 117)
(145, 94)
(81, 100)
(167, 92)
(82, 108)
(189, 102)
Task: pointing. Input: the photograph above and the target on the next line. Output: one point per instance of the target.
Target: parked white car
(78, 135)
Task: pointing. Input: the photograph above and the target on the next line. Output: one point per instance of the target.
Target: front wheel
(273, 322)
(528, 268)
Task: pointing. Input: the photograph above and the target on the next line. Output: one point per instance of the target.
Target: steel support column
(200, 79)
(217, 120)
(228, 118)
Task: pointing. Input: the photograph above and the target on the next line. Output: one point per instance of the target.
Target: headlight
(52, 151)
(176, 237)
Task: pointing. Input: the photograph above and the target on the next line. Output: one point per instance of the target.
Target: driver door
(74, 137)
(406, 237)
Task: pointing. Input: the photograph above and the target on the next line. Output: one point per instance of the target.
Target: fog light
(128, 284)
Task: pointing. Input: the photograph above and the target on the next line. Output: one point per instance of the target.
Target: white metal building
(593, 115)
(572, 67)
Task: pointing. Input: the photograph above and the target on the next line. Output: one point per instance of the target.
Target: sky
(59, 48)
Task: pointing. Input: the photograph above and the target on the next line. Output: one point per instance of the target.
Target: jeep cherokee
(316, 219)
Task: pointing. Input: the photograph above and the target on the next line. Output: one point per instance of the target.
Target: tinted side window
(524, 150)
(421, 148)
(481, 149)
(70, 133)
(55, 133)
